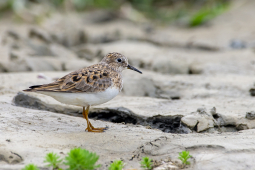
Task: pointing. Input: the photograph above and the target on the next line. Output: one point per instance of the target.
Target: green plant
(53, 160)
(184, 156)
(30, 167)
(146, 163)
(207, 13)
(116, 165)
(81, 159)
(57, 3)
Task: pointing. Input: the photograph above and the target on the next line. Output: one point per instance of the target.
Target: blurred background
(166, 37)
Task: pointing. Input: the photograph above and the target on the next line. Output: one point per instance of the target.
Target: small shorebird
(89, 86)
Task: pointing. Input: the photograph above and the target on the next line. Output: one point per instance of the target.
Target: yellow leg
(90, 128)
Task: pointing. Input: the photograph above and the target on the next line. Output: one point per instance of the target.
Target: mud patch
(113, 115)
(168, 124)
(206, 147)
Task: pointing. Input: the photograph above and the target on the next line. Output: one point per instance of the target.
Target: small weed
(53, 160)
(30, 167)
(81, 159)
(57, 3)
(146, 163)
(116, 165)
(184, 156)
(207, 13)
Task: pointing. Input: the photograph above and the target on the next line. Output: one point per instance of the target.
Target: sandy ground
(28, 134)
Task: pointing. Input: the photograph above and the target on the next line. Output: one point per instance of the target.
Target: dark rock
(84, 52)
(250, 115)
(69, 36)
(242, 127)
(40, 34)
(252, 91)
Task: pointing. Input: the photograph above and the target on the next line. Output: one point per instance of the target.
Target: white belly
(83, 99)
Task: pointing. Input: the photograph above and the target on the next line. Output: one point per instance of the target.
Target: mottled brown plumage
(94, 78)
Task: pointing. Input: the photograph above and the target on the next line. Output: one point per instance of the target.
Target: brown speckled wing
(94, 78)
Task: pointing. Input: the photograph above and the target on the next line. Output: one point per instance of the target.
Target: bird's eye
(119, 60)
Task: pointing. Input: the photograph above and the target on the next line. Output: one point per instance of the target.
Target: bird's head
(118, 62)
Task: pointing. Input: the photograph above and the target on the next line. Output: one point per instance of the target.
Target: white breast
(83, 99)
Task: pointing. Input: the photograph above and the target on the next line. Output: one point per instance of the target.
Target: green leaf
(184, 156)
(206, 14)
(81, 159)
(116, 165)
(146, 163)
(53, 160)
(30, 167)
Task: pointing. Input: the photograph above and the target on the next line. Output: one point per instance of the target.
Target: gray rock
(84, 52)
(167, 166)
(13, 34)
(202, 111)
(69, 36)
(62, 52)
(238, 44)
(170, 66)
(4, 53)
(76, 64)
(44, 63)
(106, 37)
(201, 120)
(250, 115)
(18, 55)
(5, 58)
(190, 121)
(36, 47)
(143, 87)
(40, 33)
(243, 123)
(169, 94)
(223, 120)
(115, 30)
(15, 66)
(242, 127)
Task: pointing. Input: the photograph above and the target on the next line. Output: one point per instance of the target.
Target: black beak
(133, 68)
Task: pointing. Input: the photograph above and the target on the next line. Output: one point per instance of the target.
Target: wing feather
(90, 79)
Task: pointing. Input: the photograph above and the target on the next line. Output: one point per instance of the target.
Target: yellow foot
(99, 130)
(91, 128)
